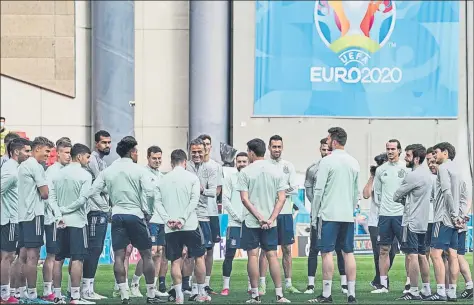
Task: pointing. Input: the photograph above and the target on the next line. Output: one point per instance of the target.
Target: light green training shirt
(336, 192)
(155, 176)
(262, 180)
(52, 213)
(31, 176)
(448, 183)
(463, 203)
(125, 182)
(9, 192)
(231, 200)
(208, 177)
(416, 191)
(212, 209)
(69, 193)
(94, 167)
(387, 180)
(289, 175)
(177, 198)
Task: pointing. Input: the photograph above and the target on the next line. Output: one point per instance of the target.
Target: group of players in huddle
(174, 217)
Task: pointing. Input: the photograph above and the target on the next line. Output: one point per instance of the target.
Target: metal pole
(113, 67)
(209, 71)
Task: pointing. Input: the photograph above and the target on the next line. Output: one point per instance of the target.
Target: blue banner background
(423, 43)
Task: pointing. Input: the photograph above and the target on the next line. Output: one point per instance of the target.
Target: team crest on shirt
(286, 170)
(153, 239)
(102, 220)
(233, 242)
(401, 173)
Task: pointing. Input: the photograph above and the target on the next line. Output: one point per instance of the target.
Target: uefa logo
(355, 26)
(354, 30)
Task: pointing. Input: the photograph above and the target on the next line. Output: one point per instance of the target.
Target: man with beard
(388, 178)
(415, 193)
(368, 192)
(97, 217)
(262, 187)
(126, 183)
(212, 208)
(208, 177)
(234, 208)
(447, 222)
(309, 183)
(286, 235)
(19, 150)
(336, 195)
(51, 215)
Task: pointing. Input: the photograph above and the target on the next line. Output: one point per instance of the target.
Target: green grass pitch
(104, 283)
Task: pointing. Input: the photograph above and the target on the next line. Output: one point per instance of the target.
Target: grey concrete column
(209, 28)
(113, 67)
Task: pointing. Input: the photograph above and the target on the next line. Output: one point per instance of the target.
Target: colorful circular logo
(365, 25)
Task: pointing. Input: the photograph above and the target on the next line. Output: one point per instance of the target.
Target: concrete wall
(37, 41)
(301, 135)
(161, 75)
(39, 111)
(162, 86)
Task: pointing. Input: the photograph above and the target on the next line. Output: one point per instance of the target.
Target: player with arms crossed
(336, 196)
(259, 184)
(234, 208)
(447, 222)
(415, 194)
(212, 208)
(97, 217)
(19, 150)
(68, 191)
(177, 198)
(126, 182)
(32, 191)
(309, 184)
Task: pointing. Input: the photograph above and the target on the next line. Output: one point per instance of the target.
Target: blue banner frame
(367, 59)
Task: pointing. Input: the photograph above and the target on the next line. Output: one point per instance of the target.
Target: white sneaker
(344, 290)
(161, 294)
(135, 291)
(81, 301)
(101, 297)
(283, 300)
(380, 290)
(87, 295)
(203, 299)
(309, 289)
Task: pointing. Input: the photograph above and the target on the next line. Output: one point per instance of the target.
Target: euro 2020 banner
(369, 59)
